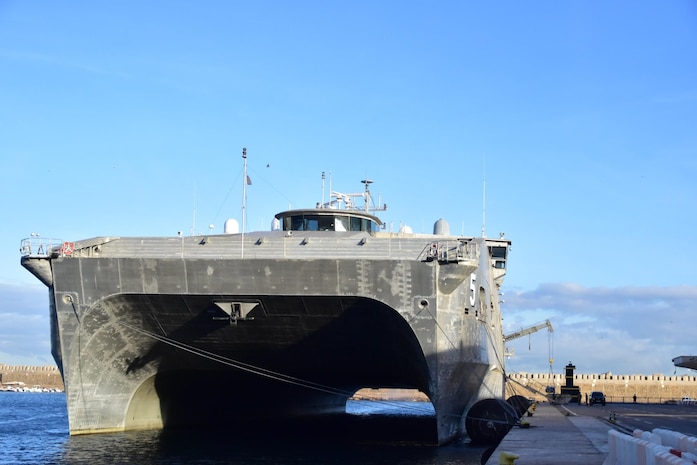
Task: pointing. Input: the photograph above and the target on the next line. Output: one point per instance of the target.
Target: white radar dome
(231, 226)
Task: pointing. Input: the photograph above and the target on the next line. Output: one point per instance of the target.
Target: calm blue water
(34, 430)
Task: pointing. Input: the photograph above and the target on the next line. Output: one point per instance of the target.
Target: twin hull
(152, 333)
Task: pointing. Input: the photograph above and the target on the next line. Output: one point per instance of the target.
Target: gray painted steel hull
(213, 331)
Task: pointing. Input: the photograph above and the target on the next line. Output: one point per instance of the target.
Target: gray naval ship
(215, 330)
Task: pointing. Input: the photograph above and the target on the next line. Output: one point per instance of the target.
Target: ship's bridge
(318, 219)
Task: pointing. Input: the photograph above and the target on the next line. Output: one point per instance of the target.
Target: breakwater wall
(655, 388)
(45, 376)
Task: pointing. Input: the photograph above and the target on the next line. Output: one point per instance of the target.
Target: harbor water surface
(34, 430)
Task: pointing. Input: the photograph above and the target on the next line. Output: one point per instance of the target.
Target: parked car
(596, 397)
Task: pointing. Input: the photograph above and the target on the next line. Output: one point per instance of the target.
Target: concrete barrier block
(612, 444)
(668, 437)
(628, 452)
(641, 451)
(650, 437)
(664, 457)
(652, 451)
(631, 451)
(692, 444)
(685, 443)
(649, 448)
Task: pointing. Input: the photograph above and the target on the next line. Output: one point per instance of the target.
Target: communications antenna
(484, 199)
(245, 179)
(193, 222)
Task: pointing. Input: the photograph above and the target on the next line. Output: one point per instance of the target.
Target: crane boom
(528, 330)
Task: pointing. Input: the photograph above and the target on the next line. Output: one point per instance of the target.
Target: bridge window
(308, 223)
(328, 223)
(341, 223)
(498, 254)
(355, 224)
(363, 224)
(294, 223)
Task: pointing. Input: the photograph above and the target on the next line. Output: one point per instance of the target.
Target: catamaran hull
(174, 342)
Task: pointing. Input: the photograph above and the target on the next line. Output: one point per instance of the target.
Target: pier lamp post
(660, 399)
(626, 384)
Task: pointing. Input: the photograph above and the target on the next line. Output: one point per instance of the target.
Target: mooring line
(255, 369)
(280, 376)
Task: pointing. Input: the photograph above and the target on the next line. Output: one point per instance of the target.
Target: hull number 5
(473, 287)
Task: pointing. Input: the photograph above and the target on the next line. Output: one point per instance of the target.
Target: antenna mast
(366, 195)
(484, 201)
(193, 222)
(322, 203)
(484, 209)
(244, 196)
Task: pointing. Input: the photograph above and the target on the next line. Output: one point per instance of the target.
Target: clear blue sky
(123, 118)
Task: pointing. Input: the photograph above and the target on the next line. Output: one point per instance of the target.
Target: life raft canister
(67, 248)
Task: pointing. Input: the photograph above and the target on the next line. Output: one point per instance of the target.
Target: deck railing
(36, 246)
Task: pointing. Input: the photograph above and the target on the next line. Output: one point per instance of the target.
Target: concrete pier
(554, 437)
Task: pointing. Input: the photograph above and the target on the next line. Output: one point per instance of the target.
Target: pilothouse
(339, 215)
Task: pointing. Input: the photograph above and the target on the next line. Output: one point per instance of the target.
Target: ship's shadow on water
(338, 439)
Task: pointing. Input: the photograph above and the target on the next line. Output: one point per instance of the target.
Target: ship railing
(36, 246)
(450, 251)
